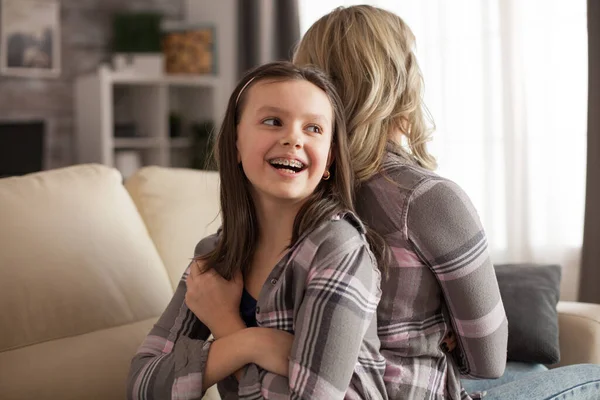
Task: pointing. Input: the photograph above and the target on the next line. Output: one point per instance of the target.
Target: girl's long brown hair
(240, 230)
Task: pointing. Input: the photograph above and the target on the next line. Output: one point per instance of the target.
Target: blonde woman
(441, 286)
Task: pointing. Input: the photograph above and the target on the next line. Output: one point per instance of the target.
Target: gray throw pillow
(530, 294)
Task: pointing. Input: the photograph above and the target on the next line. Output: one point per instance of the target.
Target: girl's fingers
(198, 267)
(195, 270)
(449, 342)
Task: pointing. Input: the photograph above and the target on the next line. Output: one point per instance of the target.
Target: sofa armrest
(579, 333)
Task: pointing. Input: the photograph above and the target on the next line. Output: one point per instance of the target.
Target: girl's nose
(293, 138)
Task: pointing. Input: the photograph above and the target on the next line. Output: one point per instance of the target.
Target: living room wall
(85, 43)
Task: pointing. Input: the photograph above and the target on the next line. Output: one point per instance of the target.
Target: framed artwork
(30, 38)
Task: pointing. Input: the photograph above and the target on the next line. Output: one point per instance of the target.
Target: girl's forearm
(269, 348)
(227, 355)
(227, 327)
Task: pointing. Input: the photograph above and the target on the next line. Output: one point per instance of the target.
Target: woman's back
(441, 278)
(439, 256)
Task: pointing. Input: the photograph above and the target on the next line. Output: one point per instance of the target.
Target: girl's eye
(272, 122)
(314, 128)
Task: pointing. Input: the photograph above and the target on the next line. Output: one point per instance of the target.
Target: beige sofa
(87, 264)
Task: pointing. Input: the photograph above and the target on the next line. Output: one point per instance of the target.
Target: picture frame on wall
(189, 48)
(30, 38)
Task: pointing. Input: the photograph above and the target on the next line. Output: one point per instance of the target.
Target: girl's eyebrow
(313, 117)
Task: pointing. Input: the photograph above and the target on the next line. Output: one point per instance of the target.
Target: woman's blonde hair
(368, 53)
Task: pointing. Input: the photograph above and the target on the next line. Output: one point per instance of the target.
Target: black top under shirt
(248, 309)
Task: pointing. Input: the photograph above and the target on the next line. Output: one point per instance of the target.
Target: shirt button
(257, 310)
(273, 281)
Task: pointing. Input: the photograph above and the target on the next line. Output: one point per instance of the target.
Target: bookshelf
(117, 112)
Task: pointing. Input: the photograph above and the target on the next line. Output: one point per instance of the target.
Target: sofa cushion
(89, 366)
(530, 294)
(180, 207)
(75, 257)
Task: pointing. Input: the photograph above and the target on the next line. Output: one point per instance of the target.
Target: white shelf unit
(107, 97)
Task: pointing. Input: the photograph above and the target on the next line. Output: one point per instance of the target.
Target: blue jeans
(535, 382)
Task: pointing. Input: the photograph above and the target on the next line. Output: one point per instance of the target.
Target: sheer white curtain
(506, 83)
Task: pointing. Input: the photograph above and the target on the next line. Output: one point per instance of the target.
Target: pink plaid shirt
(441, 280)
(325, 291)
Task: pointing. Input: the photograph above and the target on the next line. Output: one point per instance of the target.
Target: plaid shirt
(325, 291)
(441, 279)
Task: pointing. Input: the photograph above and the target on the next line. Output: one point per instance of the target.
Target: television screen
(21, 147)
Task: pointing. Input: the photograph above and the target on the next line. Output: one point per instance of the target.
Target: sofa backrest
(75, 259)
(179, 207)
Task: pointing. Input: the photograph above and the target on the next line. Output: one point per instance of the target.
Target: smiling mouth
(288, 165)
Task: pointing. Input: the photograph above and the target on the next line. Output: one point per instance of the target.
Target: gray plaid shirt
(325, 291)
(441, 279)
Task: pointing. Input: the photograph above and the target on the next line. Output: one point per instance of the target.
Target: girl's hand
(271, 350)
(449, 343)
(215, 300)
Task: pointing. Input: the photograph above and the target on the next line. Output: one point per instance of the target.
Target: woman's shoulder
(405, 177)
(405, 172)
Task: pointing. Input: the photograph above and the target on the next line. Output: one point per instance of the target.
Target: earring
(326, 175)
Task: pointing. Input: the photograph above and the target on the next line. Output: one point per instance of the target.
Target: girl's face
(284, 139)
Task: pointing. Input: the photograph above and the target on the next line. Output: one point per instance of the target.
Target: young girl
(290, 255)
(441, 279)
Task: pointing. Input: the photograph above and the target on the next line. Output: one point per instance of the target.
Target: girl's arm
(446, 233)
(332, 320)
(176, 359)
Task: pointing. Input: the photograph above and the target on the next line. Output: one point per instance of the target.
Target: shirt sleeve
(171, 361)
(446, 232)
(340, 300)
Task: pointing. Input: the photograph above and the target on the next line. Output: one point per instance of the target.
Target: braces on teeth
(285, 162)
